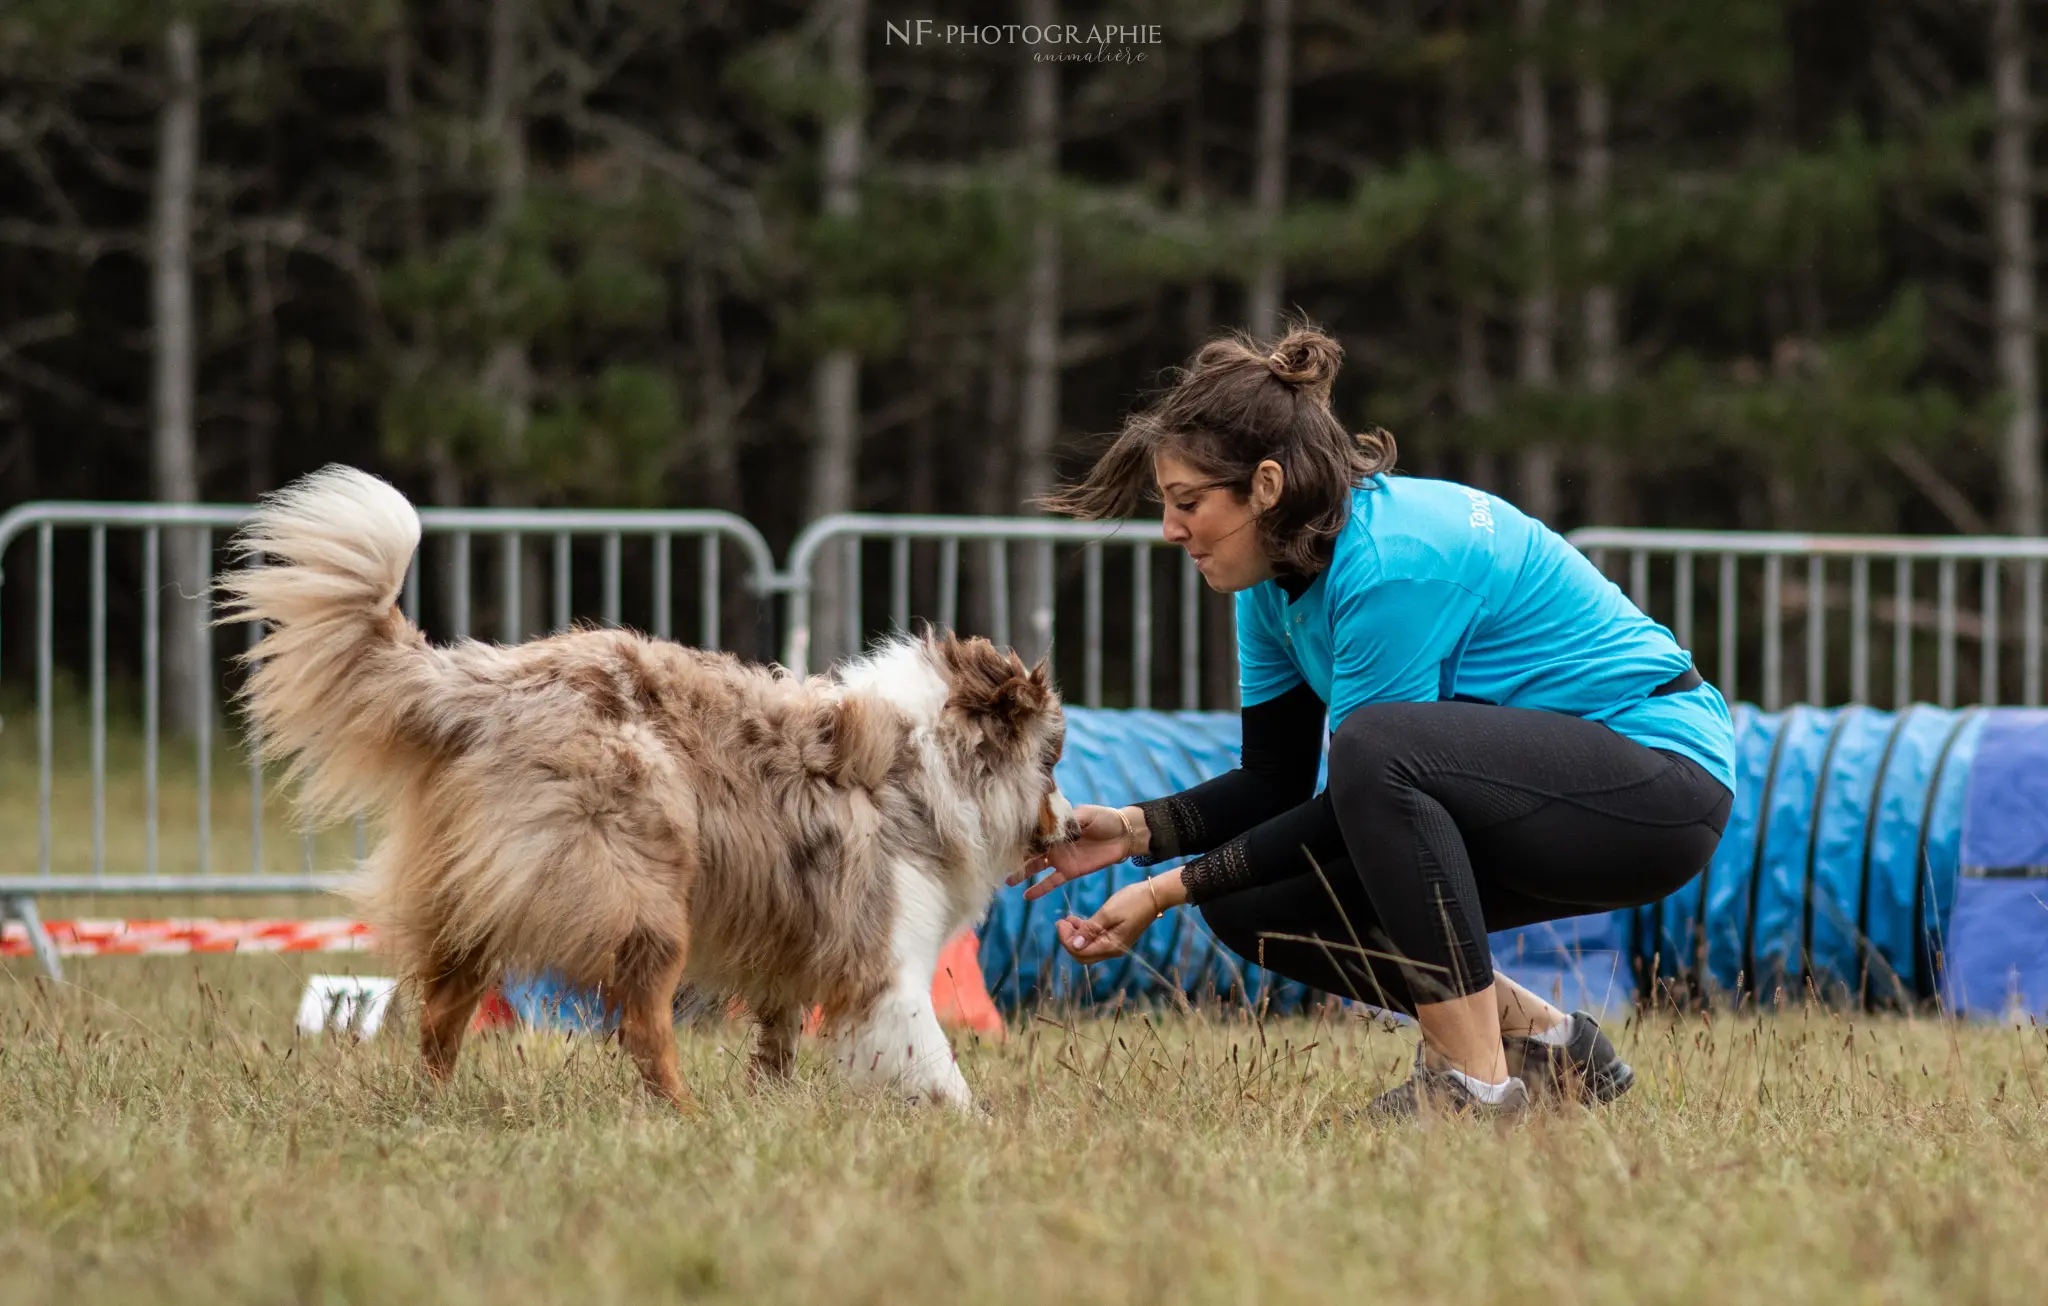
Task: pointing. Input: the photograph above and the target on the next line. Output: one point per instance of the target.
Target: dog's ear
(1021, 695)
(994, 688)
(1013, 705)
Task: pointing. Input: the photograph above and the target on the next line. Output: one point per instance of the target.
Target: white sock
(1491, 1094)
(1558, 1035)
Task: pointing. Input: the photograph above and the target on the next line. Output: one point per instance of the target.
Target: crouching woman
(1512, 740)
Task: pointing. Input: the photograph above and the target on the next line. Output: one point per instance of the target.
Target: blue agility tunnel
(1838, 868)
(1843, 865)
(1996, 944)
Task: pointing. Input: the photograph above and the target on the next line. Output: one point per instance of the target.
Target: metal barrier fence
(1857, 611)
(1151, 633)
(1146, 632)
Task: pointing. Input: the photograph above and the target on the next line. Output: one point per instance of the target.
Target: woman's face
(1215, 524)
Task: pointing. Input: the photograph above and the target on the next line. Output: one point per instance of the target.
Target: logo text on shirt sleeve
(1482, 510)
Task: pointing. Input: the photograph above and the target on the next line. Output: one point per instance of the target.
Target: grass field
(166, 1137)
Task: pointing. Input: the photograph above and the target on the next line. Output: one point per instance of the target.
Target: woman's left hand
(1115, 928)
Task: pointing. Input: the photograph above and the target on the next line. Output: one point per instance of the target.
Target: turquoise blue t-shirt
(1435, 591)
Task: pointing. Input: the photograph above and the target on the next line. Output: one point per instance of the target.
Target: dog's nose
(1070, 830)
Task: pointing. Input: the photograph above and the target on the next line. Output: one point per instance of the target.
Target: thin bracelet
(1130, 832)
(1150, 887)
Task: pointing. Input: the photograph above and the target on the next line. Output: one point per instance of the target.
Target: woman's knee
(1367, 750)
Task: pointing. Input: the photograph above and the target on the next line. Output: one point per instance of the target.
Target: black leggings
(1460, 818)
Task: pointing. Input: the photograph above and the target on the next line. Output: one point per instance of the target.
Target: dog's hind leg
(450, 990)
(775, 1044)
(647, 986)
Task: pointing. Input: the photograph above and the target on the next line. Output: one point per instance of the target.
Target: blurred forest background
(1755, 263)
(1751, 263)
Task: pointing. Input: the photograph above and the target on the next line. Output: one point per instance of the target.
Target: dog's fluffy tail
(341, 684)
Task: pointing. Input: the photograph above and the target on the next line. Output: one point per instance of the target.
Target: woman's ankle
(1464, 1032)
(1484, 1070)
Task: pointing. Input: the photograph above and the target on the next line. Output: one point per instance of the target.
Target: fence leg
(24, 910)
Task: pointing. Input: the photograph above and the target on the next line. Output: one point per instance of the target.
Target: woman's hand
(1104, 841)
(1115, 928)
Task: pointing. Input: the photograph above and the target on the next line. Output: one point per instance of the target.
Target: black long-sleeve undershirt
(1260, 822)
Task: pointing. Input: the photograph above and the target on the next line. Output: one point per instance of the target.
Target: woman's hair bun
(1306, 357)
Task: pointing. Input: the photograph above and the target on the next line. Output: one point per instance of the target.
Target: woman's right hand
(1104, 841)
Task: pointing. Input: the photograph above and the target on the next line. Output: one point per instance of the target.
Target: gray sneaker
(1440, 1092)
(1586, 1069)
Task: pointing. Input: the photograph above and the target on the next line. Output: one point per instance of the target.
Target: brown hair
(1236, 404)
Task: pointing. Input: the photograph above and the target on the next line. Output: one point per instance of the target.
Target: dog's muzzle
(1068, 831)
(1042, 843)
(1055, 825)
